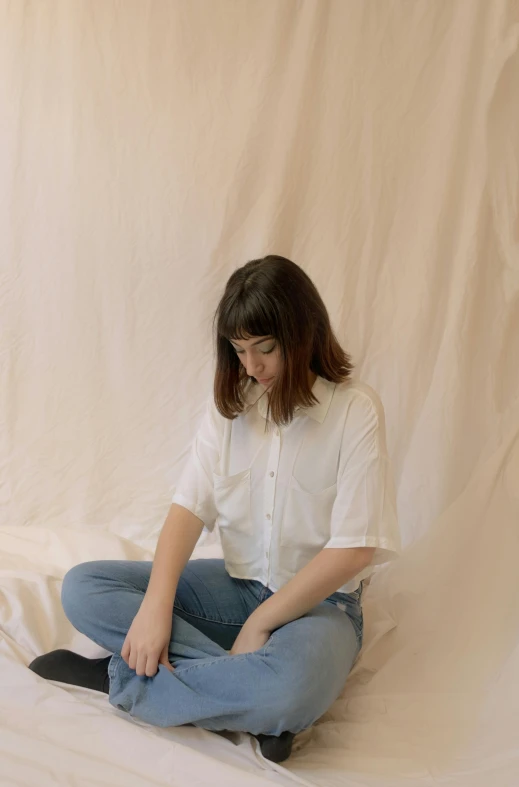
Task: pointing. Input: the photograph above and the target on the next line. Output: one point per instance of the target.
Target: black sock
(69, 667)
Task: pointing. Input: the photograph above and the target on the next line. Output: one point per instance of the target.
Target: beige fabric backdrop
(149, 148)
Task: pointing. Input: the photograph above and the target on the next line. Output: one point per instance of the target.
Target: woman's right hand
(147, 642)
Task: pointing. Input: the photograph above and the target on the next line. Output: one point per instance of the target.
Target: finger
(165, 661)
(151, 666)
(142, 659)
(164, 656)
(125, 650)
(132, 658)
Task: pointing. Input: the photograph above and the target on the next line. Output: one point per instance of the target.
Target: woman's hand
(147, 642)
(252, 637)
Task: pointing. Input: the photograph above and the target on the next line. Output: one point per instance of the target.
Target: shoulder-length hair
(274, 297)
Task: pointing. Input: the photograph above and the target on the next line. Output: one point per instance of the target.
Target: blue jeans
(285, 685)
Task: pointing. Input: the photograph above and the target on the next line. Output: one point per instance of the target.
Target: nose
(254, 368)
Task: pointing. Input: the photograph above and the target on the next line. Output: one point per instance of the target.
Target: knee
(286, 708)
(297, 698)
(289, 691)
(77, 583)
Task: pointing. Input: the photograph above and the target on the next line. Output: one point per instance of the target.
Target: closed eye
(263, 352)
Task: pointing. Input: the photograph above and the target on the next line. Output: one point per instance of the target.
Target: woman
(291, 461)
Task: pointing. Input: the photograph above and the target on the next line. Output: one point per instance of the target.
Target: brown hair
(273, 296)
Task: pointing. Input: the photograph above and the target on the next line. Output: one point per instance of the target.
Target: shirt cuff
(385, 548)
(194, 509)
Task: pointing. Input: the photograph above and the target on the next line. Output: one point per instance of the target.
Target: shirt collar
(322, 390)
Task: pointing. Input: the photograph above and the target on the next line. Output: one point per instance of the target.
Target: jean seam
(209, 662)
(203, 617)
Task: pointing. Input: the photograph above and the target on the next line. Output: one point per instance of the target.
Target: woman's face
(260, 356)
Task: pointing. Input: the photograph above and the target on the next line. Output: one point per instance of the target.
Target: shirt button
(271, 474)
(268, 516)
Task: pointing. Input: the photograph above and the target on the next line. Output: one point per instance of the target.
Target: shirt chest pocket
(307, 517)
(232, 496)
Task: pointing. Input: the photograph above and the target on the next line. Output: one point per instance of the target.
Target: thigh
(107, 594)
(214, 602)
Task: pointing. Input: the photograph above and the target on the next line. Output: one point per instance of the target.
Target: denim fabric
(285, 685)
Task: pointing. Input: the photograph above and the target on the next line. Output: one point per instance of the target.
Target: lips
(264, 382)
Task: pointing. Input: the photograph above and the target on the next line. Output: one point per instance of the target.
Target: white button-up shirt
(279, 496)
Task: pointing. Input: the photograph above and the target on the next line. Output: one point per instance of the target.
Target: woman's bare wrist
(158, 601)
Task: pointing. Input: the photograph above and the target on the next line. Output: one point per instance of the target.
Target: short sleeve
(364, 511)
(195, 489)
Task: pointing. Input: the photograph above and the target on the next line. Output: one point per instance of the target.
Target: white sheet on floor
(148, 149)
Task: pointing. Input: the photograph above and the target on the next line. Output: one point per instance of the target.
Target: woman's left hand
(251, 637)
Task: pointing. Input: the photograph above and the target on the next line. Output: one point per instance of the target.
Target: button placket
(270, 490)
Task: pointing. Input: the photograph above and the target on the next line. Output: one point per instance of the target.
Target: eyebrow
(260, 341)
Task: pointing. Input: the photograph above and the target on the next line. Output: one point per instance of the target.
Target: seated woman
(291, 461)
